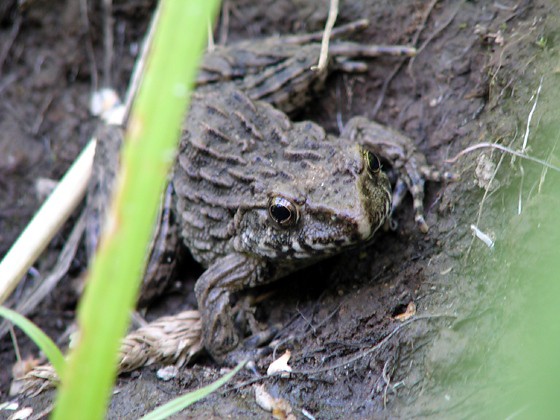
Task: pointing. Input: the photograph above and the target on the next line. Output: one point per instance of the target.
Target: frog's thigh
(213, 289)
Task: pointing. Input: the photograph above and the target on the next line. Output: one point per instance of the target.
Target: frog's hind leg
(165, 251)
(213, 290)
(409, 163)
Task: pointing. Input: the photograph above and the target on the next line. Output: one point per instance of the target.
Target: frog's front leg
(213, 289)
(399, 150)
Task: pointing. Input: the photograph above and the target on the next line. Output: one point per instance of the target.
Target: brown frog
(257, 196)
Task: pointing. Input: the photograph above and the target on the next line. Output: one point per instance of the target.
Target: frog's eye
(283, 211)
(372, 162)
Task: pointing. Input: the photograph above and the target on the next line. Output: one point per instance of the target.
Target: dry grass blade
(170, 340)
(46, 223)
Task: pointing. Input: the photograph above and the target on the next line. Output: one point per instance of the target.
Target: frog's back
(239, 157)
(229, 155)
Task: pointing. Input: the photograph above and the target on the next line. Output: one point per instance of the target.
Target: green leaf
(182, 402)
(42, 341)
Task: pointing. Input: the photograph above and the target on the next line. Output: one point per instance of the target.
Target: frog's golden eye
(372, 162)
(283, 212)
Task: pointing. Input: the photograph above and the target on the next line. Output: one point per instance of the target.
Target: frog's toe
(431, 173)
(252, 349)
(260, 338)
(418, 207)
(421, 223)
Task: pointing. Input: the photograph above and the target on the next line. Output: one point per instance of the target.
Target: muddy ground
(470, 82)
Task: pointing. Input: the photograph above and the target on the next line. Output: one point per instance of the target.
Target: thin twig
(210, 44)
(310, 329)
(524, 147)
(373, 349)
(108, 41)
(387, 380)
(224, 23)
(15, 342)
(345, 29)
(399, 66)
(26, 304)
(425, 18)
(546, 164)
(350, 360)
(545, 170)
(139, 66)
(41, 114)
(484, 237)
(324, 56)
(10, 41)
(89, 46)
(384, 88)
(530, 117)
(504, 149)
(507, 47)
(433, 35)
(6, 81)
(483, 200)
(520, 195)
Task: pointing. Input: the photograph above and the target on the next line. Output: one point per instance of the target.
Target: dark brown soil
(449, 97)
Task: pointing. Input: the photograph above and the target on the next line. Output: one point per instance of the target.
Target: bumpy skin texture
(237, 155)
(257, 196)
(242, 168)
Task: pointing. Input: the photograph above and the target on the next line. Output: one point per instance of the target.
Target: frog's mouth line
(368, 239)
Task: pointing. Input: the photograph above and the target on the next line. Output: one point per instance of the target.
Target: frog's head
(329, 198)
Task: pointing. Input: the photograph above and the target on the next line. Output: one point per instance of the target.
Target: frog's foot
(257, 335)
(213, 290)
(409, 163)
(253, 348)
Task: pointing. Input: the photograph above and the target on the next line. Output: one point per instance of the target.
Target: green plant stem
(151, 138)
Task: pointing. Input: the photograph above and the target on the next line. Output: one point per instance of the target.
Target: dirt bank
(475, 62)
